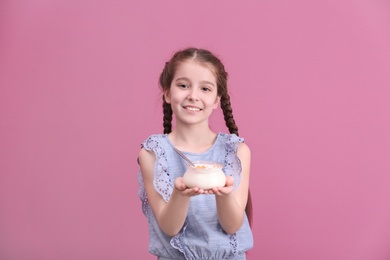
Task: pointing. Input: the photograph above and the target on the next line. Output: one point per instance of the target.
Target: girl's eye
(206, 89)
(182, 86)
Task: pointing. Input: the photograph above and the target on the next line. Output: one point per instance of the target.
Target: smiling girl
(192, 223)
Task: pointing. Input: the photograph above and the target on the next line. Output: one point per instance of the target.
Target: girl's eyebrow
(207, 82)
(182, 78)
(202, 82)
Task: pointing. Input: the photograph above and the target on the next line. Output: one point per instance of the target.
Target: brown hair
(205, 57)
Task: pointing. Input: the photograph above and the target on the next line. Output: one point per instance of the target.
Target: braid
(228, 114)
(167, 120)
(233, 129)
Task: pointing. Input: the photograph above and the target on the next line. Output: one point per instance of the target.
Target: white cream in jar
(205, 175)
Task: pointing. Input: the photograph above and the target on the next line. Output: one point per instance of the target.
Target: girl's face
(193, 93)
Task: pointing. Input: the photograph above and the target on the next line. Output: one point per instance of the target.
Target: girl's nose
(193, 95)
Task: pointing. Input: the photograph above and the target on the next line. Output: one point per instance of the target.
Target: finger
(216, 191)
(190, 191)
(201, 191)
(211, 192)
(228, 190)
(229, 181)
(179, 184)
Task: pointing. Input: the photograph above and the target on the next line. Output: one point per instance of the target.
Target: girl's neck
(196, 140)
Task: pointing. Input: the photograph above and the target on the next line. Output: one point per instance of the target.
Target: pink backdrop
(310, 90)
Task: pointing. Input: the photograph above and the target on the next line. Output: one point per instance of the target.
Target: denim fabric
(201, 237)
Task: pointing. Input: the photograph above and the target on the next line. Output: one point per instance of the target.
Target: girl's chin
(192, 121)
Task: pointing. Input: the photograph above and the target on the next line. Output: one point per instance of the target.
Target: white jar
(205, 175)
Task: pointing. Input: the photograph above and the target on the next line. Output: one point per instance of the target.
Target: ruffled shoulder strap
(162, 182)
(232, 162)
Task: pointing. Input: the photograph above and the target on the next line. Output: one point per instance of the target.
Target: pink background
(310, 90)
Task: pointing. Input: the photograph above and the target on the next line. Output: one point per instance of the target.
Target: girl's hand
(228, 188)
(184, 190)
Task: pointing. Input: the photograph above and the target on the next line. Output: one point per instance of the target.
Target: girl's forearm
(230, 213)
(172, 217)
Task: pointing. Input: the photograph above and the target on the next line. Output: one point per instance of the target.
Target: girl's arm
(170, 215)
(231, 203)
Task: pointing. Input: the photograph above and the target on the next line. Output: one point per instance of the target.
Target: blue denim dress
(201, 236)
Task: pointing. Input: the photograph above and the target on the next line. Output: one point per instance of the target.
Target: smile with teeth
(192, 108)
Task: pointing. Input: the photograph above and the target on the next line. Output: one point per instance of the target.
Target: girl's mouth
(192, 108)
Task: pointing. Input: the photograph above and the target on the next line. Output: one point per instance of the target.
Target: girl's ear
(167, 96)
(216, 104)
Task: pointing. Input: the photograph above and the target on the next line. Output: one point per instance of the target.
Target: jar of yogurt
(204, 175)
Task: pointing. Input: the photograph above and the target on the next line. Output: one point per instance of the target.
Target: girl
(192, 223)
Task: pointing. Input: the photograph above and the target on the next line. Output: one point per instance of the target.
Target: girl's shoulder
(230, 138)
(154, 141)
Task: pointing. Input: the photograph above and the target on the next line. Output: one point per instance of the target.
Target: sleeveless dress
(201, 236)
